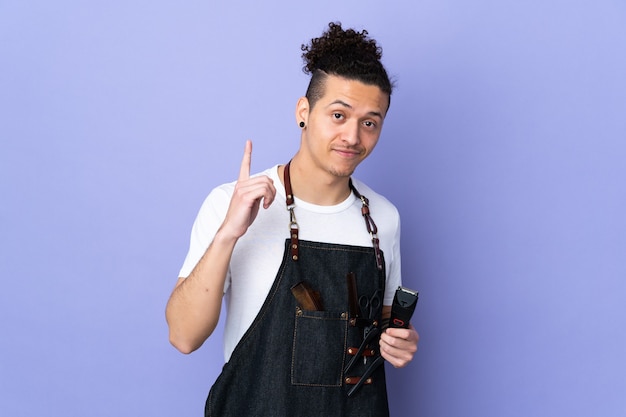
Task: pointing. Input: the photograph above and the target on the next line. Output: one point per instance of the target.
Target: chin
(345, 172)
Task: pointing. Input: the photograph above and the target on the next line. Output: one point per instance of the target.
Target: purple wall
(504, 151)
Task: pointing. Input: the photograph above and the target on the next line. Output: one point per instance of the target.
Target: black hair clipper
(404, 303)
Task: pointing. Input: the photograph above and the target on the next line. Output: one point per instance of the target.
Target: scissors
(370, 308)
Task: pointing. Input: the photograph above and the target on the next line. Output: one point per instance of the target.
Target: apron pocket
(319, 338)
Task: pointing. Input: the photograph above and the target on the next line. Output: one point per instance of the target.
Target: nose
(351, 134)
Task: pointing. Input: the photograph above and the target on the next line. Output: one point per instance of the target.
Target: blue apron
(294, 362)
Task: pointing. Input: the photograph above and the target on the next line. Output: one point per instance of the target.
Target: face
(343, 127)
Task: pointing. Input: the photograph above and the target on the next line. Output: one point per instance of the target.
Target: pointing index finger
(244, 171)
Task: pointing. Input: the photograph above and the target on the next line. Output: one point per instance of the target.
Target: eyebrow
(344, 104)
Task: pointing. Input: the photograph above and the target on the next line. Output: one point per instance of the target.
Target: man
(310, 277)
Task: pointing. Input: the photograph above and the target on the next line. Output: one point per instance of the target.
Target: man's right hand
(193, 309)
(246, 199)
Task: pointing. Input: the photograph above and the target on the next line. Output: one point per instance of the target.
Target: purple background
(505, 152)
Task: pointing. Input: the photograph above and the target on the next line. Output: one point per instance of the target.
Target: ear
(302, 111)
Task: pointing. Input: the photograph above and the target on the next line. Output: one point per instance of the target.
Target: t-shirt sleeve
(209, 219)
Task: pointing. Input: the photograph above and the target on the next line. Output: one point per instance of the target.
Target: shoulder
(377, 201)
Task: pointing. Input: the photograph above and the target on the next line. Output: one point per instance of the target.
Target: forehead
(357, 95)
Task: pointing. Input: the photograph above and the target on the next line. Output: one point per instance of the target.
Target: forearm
(194, 307)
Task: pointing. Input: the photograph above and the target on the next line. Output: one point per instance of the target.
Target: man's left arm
(398, 346)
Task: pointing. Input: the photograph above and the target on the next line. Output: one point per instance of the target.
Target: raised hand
(247, 197)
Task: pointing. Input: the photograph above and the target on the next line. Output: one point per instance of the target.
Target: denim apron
(292, 362)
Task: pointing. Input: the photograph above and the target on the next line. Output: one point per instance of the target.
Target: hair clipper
(404, 303)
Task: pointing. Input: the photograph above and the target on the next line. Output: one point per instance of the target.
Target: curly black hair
(345, 53)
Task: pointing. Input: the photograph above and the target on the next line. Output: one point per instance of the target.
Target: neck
(314, 187)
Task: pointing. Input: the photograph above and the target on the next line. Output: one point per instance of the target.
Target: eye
(369, 123)
(338, 116)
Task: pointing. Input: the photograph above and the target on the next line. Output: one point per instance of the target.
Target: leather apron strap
(365, 211)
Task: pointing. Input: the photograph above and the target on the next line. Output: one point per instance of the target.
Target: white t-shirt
(258, 254)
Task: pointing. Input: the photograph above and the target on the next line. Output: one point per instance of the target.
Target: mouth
(348, 153)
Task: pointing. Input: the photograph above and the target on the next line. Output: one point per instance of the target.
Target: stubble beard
(341, 174)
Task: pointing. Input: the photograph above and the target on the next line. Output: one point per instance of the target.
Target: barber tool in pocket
(307, 298)
(365, 314)
(402, 309)
(369, 310)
